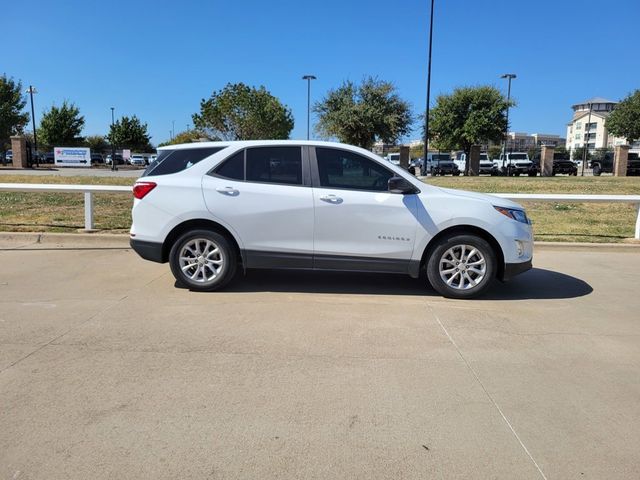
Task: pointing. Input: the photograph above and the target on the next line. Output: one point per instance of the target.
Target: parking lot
(107, 370)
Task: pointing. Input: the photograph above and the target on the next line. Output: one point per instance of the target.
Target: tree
(494, 151)
(624, 121)
(12, 103)
(468, 116)
(61, 127)
(240, 112)
(578, 154)
(131, 133)
(97, 143)
(417, 151)
(363, 114)
(188, 136)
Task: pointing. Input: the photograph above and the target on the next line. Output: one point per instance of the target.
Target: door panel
(355, 215)
(364, 224)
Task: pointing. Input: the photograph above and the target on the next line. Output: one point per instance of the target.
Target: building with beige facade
(588, 125)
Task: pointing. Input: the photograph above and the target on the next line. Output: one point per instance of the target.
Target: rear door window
(274, 165)
(174, 161)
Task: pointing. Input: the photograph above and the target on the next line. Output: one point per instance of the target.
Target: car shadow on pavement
(537, 283)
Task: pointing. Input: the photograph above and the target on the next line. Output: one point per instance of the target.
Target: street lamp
(113, 141)
(426, 118)
(508, 76)
(308, 78)
(31, 90)
(585, 143)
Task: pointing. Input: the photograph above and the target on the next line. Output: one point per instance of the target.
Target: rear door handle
(331, 199)
(232, 192)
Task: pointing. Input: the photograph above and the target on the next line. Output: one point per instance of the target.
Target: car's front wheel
(461, 266)
(202, 260)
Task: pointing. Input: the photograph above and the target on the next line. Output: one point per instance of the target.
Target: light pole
(308, 78)
(585, 143)
(426, 117)
(113, 141)
(508, 76)
(31, 90)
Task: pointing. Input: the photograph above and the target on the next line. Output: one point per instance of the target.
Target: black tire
(533, 173)
(597, 171)
(226, 253)
(441, 249)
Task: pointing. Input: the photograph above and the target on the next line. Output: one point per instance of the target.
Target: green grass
(570, 222)
(63, 212)
(565, 222)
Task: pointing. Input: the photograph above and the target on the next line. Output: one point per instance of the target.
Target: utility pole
(308, 78)
(113, 141)
(426, 117)
(508, 76)
(585, 142)
(31, 90)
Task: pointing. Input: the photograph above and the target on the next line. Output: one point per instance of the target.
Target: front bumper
(513, 269)
(148, 250)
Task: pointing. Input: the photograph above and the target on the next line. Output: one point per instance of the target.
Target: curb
(633, 246)
(9, 240)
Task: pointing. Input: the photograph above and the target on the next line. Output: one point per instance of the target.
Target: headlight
(514, 214)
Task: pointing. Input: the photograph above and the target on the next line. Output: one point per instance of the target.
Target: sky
(158, 59)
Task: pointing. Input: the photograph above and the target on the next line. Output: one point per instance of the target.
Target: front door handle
(232, 192)
(331, 199)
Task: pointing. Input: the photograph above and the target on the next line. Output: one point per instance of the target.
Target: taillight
(140, 189)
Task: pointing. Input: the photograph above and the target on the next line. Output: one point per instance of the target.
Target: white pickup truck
(515, 163)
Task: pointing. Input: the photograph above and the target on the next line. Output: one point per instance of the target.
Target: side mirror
(401, 186)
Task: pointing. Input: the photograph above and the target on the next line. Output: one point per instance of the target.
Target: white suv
(209, 208)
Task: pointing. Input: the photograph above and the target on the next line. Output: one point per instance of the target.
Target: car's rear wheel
(597, 170)
(203, 260)
(461, 266)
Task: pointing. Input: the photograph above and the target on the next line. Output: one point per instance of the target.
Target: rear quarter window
(174, 161)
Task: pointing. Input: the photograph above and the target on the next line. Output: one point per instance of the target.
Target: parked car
(137, 160)
(441, 164)
(97, 158)
(563, 165)
(516, 163)
(151, 159)
(604, 164)
(415, 164)
(119, 160)
(486, 166)
(323, 206)
(8, 156)
(394, 158)
(49, 157)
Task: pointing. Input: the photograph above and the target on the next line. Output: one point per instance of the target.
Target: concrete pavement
(107, 370)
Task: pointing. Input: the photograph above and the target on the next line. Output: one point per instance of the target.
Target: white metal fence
(89, 190)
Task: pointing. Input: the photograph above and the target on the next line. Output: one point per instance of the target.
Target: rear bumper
(148, 250)
(513, 269)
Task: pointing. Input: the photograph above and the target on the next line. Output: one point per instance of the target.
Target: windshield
(439, 157)
(484, 157)
(518, 156)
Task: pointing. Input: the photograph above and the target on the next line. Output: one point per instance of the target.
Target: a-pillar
(546, 160)
(19, 151)
(620, 158)
(474, 161)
